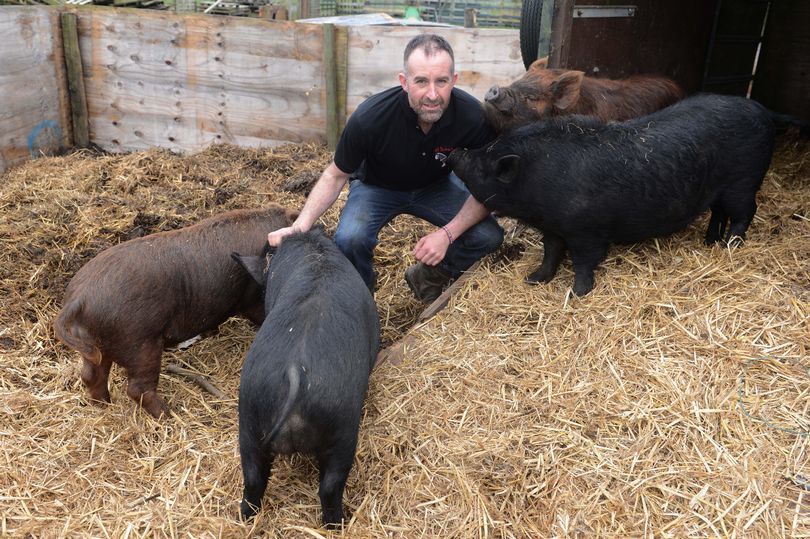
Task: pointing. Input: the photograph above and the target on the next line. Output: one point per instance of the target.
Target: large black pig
(137, 297)
(586, 183)
(306, 373)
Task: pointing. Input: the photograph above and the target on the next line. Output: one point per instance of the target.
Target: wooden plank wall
(34, 117)
(484, 57)
(184, 81)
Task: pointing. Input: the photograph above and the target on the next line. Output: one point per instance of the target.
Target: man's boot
(427, 282)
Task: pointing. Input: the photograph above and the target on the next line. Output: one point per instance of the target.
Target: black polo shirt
(384, 136)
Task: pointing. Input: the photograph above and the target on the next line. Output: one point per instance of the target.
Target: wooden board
(34, 115)
(666, 37)
(185, 81)
(484, 57)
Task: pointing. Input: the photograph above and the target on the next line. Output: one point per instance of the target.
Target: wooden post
(470, 18)
(331, 75)
(544, 39)
(75, 77)
(342, 61)
(304, 9)
(275, 12)
(561, 33)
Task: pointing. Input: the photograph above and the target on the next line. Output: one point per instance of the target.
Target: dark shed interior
(734, 47)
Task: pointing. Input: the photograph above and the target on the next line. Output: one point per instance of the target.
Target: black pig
(306, 373)
(586, 183)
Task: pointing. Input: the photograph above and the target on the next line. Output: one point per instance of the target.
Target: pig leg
(553, 252)
(95, 378)
(334, 466)
(586, 256)
(741, 215)
(143, 372)
(716, 230)
(256, 466)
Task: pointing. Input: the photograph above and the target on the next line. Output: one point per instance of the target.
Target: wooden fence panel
(34, 116)
(185, 81)
(483, 57)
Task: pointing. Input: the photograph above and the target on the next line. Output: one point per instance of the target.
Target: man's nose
(432, 93)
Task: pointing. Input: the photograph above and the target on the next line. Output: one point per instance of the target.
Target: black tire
(530, 13)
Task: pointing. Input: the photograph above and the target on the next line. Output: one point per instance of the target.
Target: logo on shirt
(443, 149)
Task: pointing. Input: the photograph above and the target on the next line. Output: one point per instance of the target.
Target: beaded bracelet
(449, 235)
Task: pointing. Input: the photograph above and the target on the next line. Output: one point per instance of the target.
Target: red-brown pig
(136, 298)
(542, 93)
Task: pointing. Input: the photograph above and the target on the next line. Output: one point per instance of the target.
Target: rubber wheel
(530, 13)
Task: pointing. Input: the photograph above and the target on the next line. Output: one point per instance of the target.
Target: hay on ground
(674, 400)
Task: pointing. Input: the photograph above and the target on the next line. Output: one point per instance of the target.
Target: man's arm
(320, 199)
(431, 249)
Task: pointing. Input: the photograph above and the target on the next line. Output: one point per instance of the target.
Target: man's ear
(565, 90)
(506, 168)
(253, 266)
(403, 81)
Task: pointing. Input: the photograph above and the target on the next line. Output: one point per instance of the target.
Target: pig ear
(506, 168)
(540, 63)
(565, 90)
(253, 265)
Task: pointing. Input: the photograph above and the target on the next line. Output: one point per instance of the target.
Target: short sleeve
(350, 151)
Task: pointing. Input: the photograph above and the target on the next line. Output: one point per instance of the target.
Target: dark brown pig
(543, 93)
(134, 299)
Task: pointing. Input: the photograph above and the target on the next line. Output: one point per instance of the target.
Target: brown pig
(136, 298)
(542, 93)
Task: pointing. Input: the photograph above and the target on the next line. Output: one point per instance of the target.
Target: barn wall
(783, 76)
(34, 114)
(666, 37)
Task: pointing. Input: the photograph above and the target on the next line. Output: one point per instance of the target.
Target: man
(389, 149)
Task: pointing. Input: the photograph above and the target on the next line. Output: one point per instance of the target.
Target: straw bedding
(672, 401)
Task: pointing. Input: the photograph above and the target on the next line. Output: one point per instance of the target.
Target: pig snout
(492, 94)
(455, 157)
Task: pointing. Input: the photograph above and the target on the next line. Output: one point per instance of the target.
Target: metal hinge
(596, 12)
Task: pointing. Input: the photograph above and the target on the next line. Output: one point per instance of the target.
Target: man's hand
(274, 238)
(431, 249)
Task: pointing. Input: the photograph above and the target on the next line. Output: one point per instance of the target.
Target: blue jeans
(369, 208)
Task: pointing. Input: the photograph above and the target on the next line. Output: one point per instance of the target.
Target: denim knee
(353, 245)
(485, 237)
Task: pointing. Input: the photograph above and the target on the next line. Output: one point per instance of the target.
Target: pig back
(322, 323)
(174, 284)
(631, 180)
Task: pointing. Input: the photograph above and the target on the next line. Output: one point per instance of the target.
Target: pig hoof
(100, 398)
(538, 277)
(156, 406)
(333, 525)
(582, 290)
(248, 510)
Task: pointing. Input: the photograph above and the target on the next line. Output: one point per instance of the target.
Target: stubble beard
(429, 116)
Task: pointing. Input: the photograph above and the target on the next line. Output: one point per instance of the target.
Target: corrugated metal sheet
(491, 13)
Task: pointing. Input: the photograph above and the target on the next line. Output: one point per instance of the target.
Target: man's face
(428, 82)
